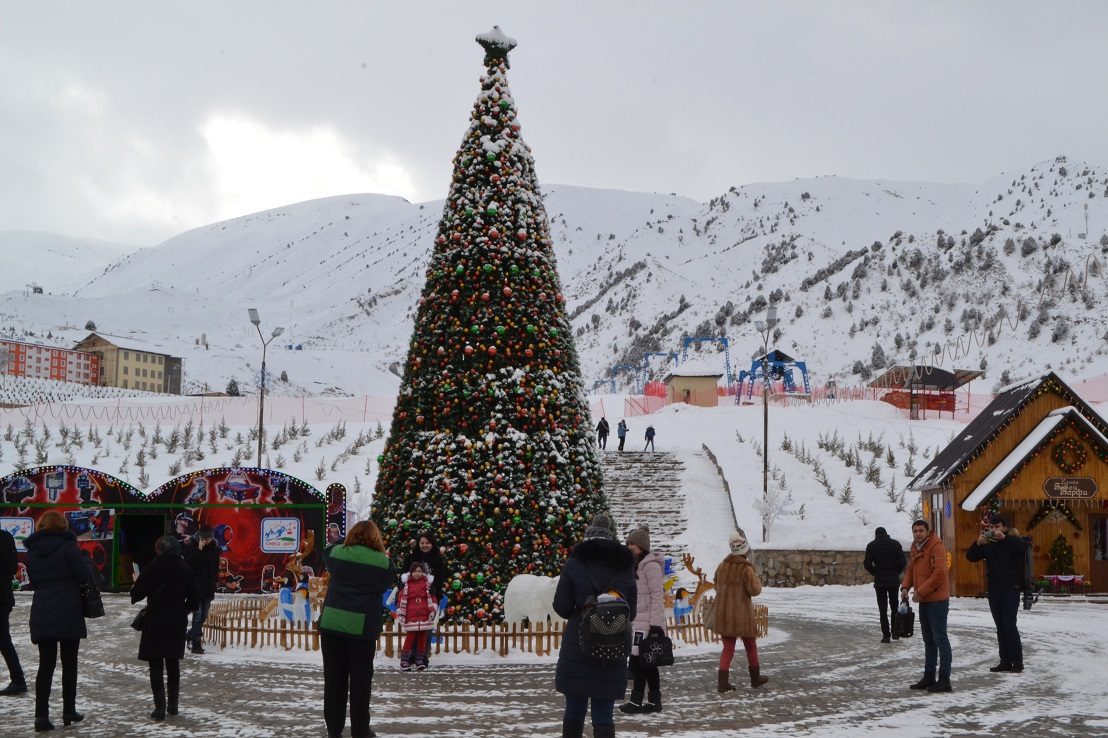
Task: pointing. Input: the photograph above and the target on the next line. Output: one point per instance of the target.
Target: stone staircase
(645, 488)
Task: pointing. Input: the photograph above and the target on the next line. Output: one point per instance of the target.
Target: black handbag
(92, 605)
(905, 622)
(136, 623)
(656, 650)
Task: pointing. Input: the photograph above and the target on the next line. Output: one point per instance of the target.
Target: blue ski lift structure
(634, 374)
(646, 364)
(715, 339)
(777, 366)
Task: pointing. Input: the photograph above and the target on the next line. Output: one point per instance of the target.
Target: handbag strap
(592, 580)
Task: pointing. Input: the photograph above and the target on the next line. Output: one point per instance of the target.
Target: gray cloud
(104, 108)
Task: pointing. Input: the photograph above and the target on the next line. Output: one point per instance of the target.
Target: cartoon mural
(262, 519)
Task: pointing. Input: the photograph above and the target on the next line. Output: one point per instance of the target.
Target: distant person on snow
(885, 560)
(649, 439)
(621, 431)
(602, 429)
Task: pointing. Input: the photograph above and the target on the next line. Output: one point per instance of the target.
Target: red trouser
(415, 645)
(749, 644)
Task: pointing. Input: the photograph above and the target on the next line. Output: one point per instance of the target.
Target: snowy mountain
(865, 273)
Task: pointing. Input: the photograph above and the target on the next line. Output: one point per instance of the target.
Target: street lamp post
(257, 321)
(764, 327)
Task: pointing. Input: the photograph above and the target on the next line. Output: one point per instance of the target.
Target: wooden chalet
(1038, 454)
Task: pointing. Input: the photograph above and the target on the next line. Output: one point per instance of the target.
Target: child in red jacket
(416, 613)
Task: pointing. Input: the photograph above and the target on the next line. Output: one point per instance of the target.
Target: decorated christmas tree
(491, 444)
(1061, 556)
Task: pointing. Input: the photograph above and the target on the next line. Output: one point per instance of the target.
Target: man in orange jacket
(927, 574)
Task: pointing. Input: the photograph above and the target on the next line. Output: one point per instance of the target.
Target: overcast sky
(135, 121)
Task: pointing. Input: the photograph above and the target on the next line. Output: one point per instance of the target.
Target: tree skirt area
(829, 676)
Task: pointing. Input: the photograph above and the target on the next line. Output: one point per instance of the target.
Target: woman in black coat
(56, 569)
(426, 551)
(579, 677)
(169, 588)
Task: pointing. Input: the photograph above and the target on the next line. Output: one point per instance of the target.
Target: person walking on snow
(9, 565)
(621, 431)
(602, 429)
(650, 617)
(736, 583)
(927, 574)
(1004, 555)
(885, 560)
(649, 439)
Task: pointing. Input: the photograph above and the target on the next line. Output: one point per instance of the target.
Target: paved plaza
(829, 677)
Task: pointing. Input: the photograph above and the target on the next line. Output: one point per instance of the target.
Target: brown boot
(724, 685)
(756, 678)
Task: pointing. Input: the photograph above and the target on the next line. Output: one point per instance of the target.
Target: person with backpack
(736, 583)
(599, 573)
(649, 439)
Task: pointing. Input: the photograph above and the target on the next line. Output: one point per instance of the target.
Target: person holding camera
(202, 556)
(1004, 556)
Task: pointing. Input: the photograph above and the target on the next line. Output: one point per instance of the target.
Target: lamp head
(278, 331)
(771, 316)
(760, 326)
(254, 317)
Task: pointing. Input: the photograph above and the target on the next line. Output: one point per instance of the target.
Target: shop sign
(1070, 488)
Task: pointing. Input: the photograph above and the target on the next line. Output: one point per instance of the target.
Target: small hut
(694, 383)
(919, 389)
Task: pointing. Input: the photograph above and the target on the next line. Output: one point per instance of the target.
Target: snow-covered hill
(864, 273)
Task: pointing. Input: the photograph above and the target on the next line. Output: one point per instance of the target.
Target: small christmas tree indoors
(491, 446)
(1061, 556)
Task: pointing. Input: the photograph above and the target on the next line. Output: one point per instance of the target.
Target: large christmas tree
(491, 445)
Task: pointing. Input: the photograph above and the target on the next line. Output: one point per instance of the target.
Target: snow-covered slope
(911, 269)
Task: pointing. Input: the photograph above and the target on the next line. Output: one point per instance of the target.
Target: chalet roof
(1042, 435)
(694, 368)
(125, 342)
(919, 377)
(1002, 411)
(778, 355)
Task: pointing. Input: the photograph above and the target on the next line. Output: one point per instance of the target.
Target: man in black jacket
(9, 563)
(885, 560)
(202, 556)
(1004, 556)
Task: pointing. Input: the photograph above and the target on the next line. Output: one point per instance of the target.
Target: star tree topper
(496, 46)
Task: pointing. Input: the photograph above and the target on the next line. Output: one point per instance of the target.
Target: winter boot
(405, 665)
(943, 685)
(43, 723)
(724, 684)
(15, 687)
(159, 705)
(172, 697)
(634, 705)
(573, 728)
(197, 647)
(756, 678)
(653, 702)
(603, 731)
(927, 681)
(72, 717)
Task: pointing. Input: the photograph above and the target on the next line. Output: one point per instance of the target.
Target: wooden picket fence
(237, 622)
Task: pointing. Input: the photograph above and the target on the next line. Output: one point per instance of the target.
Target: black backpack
(604, 627)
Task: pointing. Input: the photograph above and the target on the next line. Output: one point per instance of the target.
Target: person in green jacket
(360, 574)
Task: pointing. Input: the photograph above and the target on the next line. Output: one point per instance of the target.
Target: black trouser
(7, 648)
(1004, 607)
(886, 600)
(47, 661)
(172, 676)
(347, 671)
(622, 440)
(641, 674)
(602, 440)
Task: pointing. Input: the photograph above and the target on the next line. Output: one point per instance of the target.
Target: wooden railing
(237, 623)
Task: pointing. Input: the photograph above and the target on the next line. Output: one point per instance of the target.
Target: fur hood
(603, 549)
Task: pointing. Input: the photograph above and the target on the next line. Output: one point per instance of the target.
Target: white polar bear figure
(531, 597)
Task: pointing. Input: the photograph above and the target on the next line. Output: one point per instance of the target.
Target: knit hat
(640, 537)
(600, 527)
(739, 544)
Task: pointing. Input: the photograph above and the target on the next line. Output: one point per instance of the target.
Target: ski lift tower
(726, 353)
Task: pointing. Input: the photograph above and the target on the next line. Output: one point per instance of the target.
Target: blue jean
(1004, 607)
(603, 711)
(936, 644)
(196, 632)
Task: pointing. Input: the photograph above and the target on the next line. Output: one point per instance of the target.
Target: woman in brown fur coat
(736, 582)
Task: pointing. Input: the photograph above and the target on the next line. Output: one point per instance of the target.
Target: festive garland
(1050, 506)
(1069, 455)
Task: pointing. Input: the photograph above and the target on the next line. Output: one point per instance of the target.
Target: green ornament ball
(500, 329)
(490, 157)
(455, 585)
(480, 578)
(530, 329)
(487, 268)
(554, 332)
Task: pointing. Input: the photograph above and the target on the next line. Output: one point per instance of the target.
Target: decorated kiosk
(263, 520)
